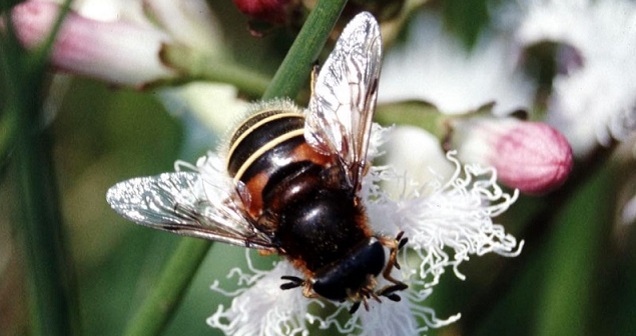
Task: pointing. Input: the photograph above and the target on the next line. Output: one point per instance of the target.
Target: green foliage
(576, 275)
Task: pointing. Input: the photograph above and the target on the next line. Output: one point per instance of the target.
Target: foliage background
(577, 275)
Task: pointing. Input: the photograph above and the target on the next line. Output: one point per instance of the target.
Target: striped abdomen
(266, 148)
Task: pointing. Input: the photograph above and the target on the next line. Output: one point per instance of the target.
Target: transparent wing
(178, 202)
(342, 104)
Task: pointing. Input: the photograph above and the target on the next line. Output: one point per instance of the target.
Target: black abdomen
(295, 193)
(321, 227)
(269, 143)
(255, 139)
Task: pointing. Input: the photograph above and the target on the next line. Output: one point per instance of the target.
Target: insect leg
(315, 70)
(394, 245)
(354, 307)
(295, 281)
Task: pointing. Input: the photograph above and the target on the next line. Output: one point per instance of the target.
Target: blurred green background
(577, 275)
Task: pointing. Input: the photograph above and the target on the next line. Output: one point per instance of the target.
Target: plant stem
(157, 309)
(49, 265)
(214, 69)
(245, 80)
(294, 71)
(50, 280)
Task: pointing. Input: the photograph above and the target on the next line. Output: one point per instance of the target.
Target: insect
(291, 183)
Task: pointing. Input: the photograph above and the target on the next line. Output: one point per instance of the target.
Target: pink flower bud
(533, 157)
(118, 52)
(530, 156)
(273, 11)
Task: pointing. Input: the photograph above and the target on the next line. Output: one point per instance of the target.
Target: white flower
(595, 99)
(433, 66)
(456, 213)
(446, 221)
(407, 149)
(263, 308)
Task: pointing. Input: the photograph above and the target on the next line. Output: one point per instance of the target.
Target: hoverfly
(290, 183)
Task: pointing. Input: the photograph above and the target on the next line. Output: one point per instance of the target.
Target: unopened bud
(530, 156)
(122, 53)
(272, 11)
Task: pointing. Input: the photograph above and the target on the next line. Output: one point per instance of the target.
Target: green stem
(41, 55)
(35, 60)
(294, 71)
(244, 79)
(157, 309)
(415, 114)
(8, 124)
(50, 279)
(49, 266)
(214, 69)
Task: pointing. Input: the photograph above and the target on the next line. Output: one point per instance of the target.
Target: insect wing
(177, 202)
(342, 104)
